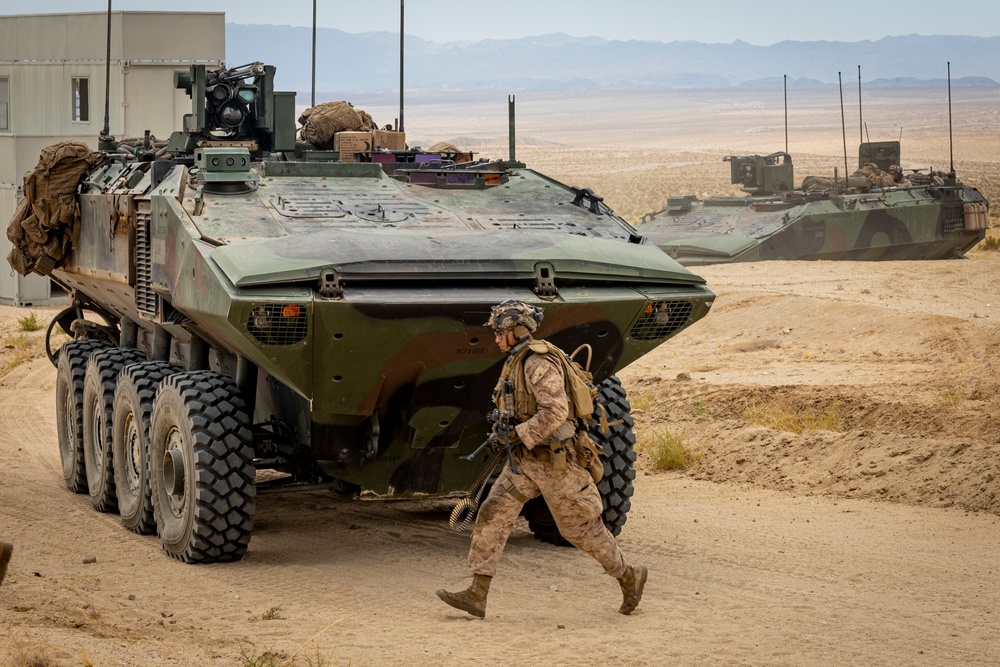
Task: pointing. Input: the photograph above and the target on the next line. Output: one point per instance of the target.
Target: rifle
(501, 420)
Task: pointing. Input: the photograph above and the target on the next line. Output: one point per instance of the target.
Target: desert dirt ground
(868, 537)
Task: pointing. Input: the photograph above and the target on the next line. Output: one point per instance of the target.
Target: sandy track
(777, 564)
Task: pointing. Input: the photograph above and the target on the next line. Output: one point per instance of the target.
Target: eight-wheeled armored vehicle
(259, 305)
(924, 216)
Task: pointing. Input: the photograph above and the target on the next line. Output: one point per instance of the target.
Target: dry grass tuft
(793, 418)
(15, 349)
(950, 397)
(667, 451)
(989, 243)
(29, 322)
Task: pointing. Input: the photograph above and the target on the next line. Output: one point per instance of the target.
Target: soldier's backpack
(586, 403)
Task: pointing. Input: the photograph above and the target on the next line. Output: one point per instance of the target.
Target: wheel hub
(133, 455)
(95, 432)
(174, 472)
(67, 424)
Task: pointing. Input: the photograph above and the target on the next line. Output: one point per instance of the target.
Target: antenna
(843, 128)
(951, 154)
(868, 135)
(861, 122)
(312, 99)
(400, 65)
(786, 112)
(106, 141)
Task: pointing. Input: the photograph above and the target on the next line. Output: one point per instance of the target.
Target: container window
(81, 99)
(4, 104)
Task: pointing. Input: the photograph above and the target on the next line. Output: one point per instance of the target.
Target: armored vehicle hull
(322, 320)
(915, 222)
(876, 214)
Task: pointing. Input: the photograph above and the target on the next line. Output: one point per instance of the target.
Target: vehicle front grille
(661, 319)
(278, 324)
(952, 217)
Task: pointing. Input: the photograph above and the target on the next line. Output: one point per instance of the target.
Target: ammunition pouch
(505, 483)
(588, 455)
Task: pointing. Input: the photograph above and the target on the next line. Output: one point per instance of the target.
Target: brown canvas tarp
(45, 225)
(321, 122)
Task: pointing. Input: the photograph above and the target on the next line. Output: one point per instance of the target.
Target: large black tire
(616, 487)
(202, 473)
(131, 412)
(100, 380)
(71, 369)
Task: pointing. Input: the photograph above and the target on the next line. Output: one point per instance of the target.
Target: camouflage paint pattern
(937, 218)
(917, 222)
(361, 298)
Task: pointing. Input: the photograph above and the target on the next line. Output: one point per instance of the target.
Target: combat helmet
(521, 317)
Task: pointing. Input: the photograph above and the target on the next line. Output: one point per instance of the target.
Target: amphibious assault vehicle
(263, 306)
(924, 216)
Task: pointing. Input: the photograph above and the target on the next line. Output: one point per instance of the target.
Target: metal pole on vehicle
(106, 141)
(861, 123)
(951, 153)
(786, 112)
(312, 99)
(843, 128)
(510, 123)
(401, 65)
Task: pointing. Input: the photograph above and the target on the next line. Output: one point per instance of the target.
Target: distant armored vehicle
(264, 306)
(921, 217)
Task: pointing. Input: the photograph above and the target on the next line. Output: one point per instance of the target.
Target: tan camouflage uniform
(570, 493)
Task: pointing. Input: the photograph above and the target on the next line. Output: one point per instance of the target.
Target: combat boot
(632, 582)
(6, 549)
(472, 599)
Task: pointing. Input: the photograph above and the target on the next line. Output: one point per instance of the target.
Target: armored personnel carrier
(925, 216)
(246, 321)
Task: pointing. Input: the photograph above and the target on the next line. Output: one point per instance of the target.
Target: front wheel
(616, 487)
(202, 471)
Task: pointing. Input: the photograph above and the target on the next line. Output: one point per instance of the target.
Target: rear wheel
(616, 487)
(100, 380)
(71, 370)
(131, 411)
(202, 470)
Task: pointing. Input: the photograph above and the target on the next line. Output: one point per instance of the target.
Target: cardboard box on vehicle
(351, 143)
(393, 141)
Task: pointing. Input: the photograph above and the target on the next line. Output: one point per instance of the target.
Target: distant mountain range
(369, 62)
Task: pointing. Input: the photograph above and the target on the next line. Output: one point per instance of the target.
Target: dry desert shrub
(667, 451)
(989, 243)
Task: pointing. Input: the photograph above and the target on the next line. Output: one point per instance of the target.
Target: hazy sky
(756, 21)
